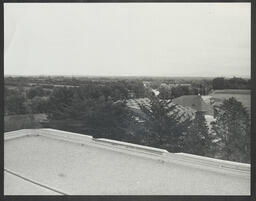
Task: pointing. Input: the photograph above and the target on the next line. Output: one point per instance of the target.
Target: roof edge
(216, 162)
(135, 148)
(131, 145)
(19, 133)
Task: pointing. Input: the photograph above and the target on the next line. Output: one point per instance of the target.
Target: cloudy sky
(165, 39)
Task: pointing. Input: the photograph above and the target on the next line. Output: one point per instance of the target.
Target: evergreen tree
(164, 128)
(92, 113)
(197, 140)
(233, 129)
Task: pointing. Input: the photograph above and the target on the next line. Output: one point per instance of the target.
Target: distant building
(195, 102)
(183, 112)
(169, 86)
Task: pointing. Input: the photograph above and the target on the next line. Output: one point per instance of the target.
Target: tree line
(100, 116)
(100, 110)
(232, 83)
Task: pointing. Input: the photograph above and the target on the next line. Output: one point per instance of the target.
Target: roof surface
(195, 102)
(183, 113)
(47, 161)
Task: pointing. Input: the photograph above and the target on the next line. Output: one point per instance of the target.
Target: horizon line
(159, 76)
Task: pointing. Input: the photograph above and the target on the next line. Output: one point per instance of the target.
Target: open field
(232, 91)
(244, 96)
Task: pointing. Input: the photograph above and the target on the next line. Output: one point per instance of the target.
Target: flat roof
(21, 186)
(53, 162)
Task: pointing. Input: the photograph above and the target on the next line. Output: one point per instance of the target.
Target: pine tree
(163, 125)
(233, 129)
(197, 140)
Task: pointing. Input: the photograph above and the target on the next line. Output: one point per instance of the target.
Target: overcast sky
(165, 39)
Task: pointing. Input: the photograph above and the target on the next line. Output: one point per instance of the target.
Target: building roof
(183, 112)
(195, 102)
(53, 162)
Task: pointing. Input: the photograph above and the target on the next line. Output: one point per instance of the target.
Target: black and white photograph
(127, 98)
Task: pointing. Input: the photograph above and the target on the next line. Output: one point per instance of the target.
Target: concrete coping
(18, 133)
(80, 139)
(48, 132)
(131, 146)
(216, 162)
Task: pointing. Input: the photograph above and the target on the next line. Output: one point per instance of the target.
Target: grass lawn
(244, 96)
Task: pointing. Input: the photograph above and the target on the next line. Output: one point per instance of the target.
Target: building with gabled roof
(195, 102)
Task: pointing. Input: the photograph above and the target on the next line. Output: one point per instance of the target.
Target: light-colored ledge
(132, 148)
(217, 162)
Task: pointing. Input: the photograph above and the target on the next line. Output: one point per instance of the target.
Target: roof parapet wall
(133, 148)
(216, 162)
(64, 135)
(19, 133)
